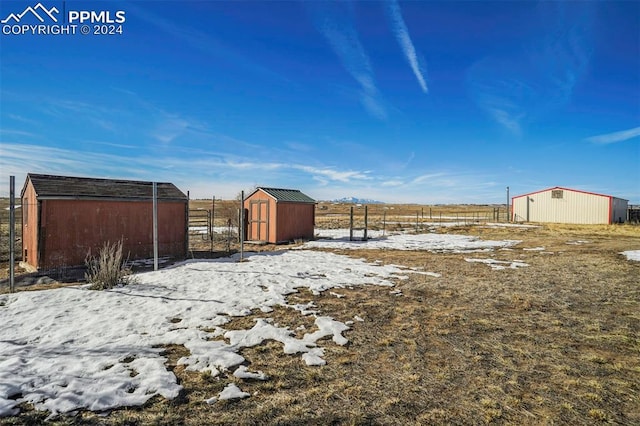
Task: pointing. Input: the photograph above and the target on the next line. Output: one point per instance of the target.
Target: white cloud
(343, 38)
(427, 177)
(20, 133)
(200, 173)
(331, 174)
(402, 35)
(520, 86)
(169, 128)
(614, 137)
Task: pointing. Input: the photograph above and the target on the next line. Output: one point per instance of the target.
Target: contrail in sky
(402, 35)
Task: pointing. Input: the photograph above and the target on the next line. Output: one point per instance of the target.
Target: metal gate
(258, 226)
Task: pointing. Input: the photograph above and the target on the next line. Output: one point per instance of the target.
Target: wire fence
(5, 232)
(213, 226)
(390, 218)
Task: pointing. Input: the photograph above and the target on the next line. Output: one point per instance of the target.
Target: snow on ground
(216, 229)
(509, 225)
(632, 255)
(232, 391)
(431, 242)
(499, 264)
(431, 224)
(72, 348)
(344, 233)
(578, 242)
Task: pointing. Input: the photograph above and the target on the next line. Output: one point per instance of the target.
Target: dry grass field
(557, 342)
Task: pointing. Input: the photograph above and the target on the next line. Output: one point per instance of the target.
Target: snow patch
(232, 391)
(243, 372)
(632, 255)
(72, 348)
(577, 242)
(430, 242)
(499, 264)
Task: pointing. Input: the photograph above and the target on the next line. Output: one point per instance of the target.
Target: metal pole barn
(155, 226)
(12, 233)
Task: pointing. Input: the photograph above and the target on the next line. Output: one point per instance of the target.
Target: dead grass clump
(108, 269)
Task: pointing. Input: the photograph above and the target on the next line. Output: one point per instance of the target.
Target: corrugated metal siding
(574, 207)
(289, 195)
(71, 228)
(620, 210)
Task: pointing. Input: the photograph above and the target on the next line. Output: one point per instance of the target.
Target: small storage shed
(277, 215)
(564, 205)
(64, 218)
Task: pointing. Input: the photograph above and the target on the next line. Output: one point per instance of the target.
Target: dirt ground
(556, 342)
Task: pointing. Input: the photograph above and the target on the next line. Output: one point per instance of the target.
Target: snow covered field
(339, 239)
(72, 348)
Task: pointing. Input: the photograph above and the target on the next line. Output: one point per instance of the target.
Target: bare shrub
(108, 269)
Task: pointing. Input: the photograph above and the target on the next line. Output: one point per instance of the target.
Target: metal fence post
(351, 224)
(366, 220)
(155, 226)
(241, 230)
(12, 233)
(384, 222)
(212, 221)
(508, 219)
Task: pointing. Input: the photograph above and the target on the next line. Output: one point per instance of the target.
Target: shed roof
(568, 189)
(67, 187)
(287, 195)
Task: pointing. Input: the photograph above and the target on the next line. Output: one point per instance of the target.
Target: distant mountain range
(355, 200)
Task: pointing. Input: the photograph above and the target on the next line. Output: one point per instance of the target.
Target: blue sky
(425, 102)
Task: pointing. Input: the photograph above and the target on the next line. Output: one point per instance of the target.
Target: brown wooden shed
(64, 218)
(277, 215)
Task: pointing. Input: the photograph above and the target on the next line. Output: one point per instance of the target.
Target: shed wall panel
(619, 210)
(295, 221)
(29, 226)
(258, 234)
(72, 228)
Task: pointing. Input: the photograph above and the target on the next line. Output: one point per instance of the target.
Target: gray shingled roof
(288, 195)
(48, 186)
